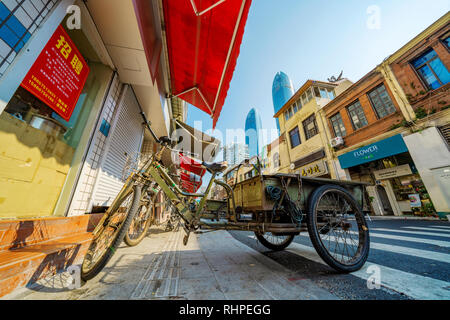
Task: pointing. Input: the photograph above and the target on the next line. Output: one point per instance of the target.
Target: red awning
(190, 165)
(191, 180)
(203, 40)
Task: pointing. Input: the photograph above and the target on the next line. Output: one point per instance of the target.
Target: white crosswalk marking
(444, 244)
(412, 232)
(437, 256)
(441, 227)
(427, 229)
(415, 286)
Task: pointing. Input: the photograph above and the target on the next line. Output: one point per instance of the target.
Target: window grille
(19, 19)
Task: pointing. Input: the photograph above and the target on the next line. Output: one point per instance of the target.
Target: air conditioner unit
(338, 141)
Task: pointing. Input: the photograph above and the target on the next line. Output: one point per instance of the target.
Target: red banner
(58, 75)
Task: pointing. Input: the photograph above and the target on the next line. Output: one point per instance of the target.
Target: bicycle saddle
(215, 167)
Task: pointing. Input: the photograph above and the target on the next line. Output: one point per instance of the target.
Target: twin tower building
(282, 91)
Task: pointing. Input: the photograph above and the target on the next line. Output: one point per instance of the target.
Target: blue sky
(313, 39)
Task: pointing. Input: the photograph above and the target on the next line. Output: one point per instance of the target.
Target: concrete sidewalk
(212, 266)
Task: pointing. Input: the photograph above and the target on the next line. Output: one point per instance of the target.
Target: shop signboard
(58, 75)
(318, 168)
(388, 173)
(375, 151)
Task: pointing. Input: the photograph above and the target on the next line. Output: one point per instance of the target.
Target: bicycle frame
(152, 170)
(175, 194)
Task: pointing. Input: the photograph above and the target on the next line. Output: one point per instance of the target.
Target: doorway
(382, 194)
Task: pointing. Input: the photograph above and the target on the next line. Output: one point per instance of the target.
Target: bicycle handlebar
(149, 127)
(164, 140)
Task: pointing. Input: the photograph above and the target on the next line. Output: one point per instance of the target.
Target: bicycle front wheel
(337, 228)
(110, 235)
(142, 221)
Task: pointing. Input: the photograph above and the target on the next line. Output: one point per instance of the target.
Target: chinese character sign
(58, 75)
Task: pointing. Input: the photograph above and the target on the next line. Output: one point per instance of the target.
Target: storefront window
(33, 112)
(412, 189)
(404, 186)
(37, 145)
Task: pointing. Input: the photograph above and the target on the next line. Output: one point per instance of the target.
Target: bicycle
(275, 207)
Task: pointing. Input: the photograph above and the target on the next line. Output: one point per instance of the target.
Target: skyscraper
(235, 153)
(282, 91)
(252, 132)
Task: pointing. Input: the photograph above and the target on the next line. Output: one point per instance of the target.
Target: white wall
(429, 152)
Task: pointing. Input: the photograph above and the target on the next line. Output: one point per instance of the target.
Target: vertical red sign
(58, 75)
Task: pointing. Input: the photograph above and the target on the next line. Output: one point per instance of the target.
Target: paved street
(413, 258)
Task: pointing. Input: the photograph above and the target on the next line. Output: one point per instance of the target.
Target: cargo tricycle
(275, 207)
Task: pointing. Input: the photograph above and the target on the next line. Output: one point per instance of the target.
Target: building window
(331, 94)
(304, 100)
(357, 115)
(276, 160)
(431, 69)
(317, 92)
(309, 94)
(446, 41)
(294, 136)
(381, 102)
(310, 127)
(338, 125)
(289, 113)
(324, 93)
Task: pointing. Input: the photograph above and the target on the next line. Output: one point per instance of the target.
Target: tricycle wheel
(272, 242)
(337, 228)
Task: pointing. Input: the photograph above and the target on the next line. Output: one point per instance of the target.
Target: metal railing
(23, 18)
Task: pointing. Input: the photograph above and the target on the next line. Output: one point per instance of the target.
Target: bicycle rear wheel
(274, 242)
(110, 235)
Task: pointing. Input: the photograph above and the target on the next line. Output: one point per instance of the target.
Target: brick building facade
(420, 71)
(393, 123)
(376, 123)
